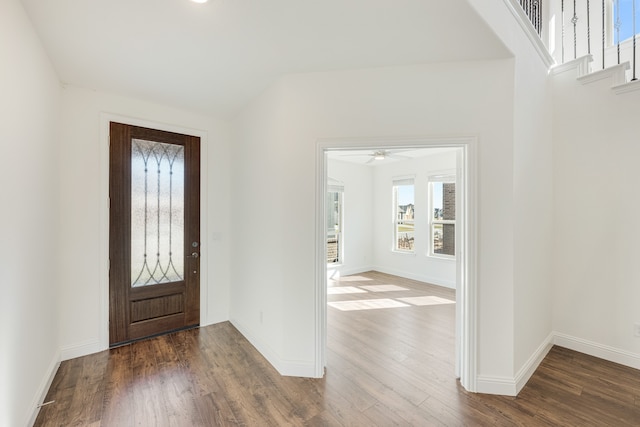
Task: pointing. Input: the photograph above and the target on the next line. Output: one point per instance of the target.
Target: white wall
(417, 265)
(357, 216)
(533, 203)
(273, 189)
(530, 294)
(84, 221)
(29, 105)
(596, 229)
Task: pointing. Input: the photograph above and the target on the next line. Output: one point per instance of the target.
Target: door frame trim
(466, 263)
(105, 119)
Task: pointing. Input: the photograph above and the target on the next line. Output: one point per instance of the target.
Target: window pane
(444, 200)
(444, 239)
(405, 215)
(405, 235)
(623, 25)
(449, 201)
(334, 215)
(437, 199)
(444, 209)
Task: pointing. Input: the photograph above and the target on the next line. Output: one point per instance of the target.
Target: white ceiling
(217, 56)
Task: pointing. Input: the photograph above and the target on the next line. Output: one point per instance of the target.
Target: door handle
(194, 255)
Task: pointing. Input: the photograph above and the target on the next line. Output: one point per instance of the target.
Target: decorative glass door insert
(157, 213)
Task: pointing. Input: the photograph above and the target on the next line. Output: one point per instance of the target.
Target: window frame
(337, 187)
(396, 182)
(444, 178)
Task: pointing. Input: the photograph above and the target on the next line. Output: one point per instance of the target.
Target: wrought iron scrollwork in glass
(157, 213)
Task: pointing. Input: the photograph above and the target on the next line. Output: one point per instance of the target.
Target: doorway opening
(460, 179)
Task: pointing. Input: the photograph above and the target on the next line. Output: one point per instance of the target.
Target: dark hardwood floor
(386, 367)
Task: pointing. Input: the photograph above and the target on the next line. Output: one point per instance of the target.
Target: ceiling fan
(375, 155)
(383, 154)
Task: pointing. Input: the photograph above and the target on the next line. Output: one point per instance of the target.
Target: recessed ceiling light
(199, 1)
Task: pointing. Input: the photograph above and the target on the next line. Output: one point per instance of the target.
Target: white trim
(530, 366)
(351, 271)
(43, 389)
(320, 266)
(631, 86)
(466, 266)
(290, 368)
(105, 118)
(503, 386)
(419, 277)
(595, 349)
(335, 186)
(617, 74)
(531, 33)
(512, 386)
(80, 349)
(466, 263)
(403, 180)
(581, 65)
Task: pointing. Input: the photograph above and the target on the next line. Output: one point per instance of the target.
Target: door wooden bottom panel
(153, 308)
(151, 327)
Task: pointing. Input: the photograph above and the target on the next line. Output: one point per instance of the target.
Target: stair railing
(533, 9)
(570, 26)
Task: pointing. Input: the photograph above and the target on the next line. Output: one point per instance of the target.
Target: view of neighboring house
(405, 212)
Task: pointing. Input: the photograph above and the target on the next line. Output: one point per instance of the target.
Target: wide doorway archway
(464, 276)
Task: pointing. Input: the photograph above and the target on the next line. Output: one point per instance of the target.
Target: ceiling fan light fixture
(378, 155)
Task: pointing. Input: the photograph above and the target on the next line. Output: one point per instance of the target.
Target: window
(623, 20)
(404, 214)
(335, 193)
(442, 191)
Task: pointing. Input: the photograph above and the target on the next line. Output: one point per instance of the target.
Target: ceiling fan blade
(370, 160)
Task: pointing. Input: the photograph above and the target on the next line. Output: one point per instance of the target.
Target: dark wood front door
(154, 232)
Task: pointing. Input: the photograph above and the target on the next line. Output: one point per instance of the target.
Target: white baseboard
(496, 385)
(348, 271)
(213, 321)
(289, 368)
(81, 349)
(601, 351)
(43, 389)
(419, 277)
(530, 366)
(511, 386)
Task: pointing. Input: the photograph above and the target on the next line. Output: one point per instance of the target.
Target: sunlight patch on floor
(426, 300)
(384, 288)
(345, 290)
(367, 304)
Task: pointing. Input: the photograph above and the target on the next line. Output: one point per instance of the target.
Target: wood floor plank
(385, 367)
(215, 410)
(117, 407)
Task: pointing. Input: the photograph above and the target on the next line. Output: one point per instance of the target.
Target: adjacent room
(391, 249)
